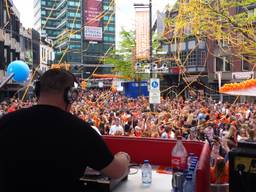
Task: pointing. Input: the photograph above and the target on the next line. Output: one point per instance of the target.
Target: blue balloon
(20, 70)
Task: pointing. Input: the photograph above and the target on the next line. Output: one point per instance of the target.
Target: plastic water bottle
(188, 186)
(146, 171)
(179, 156)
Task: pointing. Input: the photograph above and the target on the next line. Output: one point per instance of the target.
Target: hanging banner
(92, 17)
(142, 33)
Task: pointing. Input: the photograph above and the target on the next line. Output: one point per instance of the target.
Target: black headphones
(70, 93)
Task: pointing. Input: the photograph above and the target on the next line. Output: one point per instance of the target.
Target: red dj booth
(158, 152)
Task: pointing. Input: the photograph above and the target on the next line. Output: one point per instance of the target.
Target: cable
(135, 167)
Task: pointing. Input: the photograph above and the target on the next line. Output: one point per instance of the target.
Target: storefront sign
(243, 75)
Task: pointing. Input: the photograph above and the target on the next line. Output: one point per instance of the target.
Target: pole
(150, 31)
(152, 106)
(219, 81)
(5, 81)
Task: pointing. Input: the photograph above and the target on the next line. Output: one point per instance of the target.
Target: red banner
(92, 17)
(142, 33)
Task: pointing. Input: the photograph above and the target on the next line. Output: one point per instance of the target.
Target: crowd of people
(111, 113)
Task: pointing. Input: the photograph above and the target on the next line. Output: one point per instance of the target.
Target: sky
(124, 12)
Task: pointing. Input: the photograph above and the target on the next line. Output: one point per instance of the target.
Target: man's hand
(124, 154)
(118, 167)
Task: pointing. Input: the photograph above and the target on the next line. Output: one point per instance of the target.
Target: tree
(123, 58)
(230, 23)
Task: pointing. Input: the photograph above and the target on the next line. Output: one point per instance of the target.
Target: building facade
(60, 21)
(47, 54)
(203, 65)
(26, 53)
(9, 34)
(82, 30)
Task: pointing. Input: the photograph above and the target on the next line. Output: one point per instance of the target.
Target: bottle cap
(188, 177)
(146, 161)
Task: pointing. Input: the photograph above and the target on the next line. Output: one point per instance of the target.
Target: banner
(92, 18)
(142, 33)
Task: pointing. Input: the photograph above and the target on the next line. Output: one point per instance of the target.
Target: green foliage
(218, 20)
(123, 58)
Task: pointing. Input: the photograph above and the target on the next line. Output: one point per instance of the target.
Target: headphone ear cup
(37, 89)
(71, 95)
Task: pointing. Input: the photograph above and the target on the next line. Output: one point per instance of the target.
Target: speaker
(242, 167)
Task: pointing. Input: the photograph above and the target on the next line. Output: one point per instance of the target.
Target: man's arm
(118, 167)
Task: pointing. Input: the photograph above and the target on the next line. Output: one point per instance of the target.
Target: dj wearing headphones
(45, 148)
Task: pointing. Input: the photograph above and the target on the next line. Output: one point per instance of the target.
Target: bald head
(56, 81)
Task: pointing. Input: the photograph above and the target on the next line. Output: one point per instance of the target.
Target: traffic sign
(154, 97)
(154, 84)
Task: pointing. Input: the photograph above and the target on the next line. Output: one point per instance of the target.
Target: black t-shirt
(45, 149)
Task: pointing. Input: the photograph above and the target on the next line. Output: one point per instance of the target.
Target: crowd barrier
(158, 152)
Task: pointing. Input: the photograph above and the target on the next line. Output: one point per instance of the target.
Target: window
(74, 26)
(111, 28)
(74, 46)
(192, 58)
(191, 44)
(245, 64)
(43, 2)
(183, 56)
(43, 12)
(188, 29)
(72, 14)
(182, 46)
(75, 36)
(71, 3)
(106, 18)
(222, 64)
(5, 17)
(252, 12)
(202, 58)
(201, 45)
(173, 47)
(5, 55)
(109, 38)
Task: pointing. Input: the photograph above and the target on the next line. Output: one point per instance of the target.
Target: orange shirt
(224, 178)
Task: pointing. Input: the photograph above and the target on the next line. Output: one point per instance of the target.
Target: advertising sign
(93, 33)
(92, 17)
(142, 33)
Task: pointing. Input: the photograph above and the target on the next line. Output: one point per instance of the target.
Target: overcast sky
(124, 12)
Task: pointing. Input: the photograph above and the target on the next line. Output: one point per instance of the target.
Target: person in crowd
(116, 128)
(45, 148)
(219, 174)
(167, 134)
